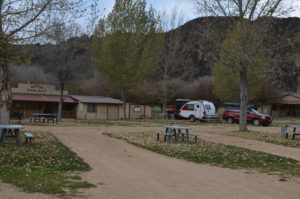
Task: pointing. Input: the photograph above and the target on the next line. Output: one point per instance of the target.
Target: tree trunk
(5, 91)
(62, 86)
(4, 114)
(165, 101)
(124, 105)
(165, 114)
(244, 100)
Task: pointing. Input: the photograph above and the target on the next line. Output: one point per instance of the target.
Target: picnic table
(295, 132)
(42, 117)
(10, 132)
(177, 132)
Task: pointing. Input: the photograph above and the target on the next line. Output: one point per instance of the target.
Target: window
(137, 109)
(67, 107)
(92, 108)
(190, 107)
(253, 111)
(207, 106)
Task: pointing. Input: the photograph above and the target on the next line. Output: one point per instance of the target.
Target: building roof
(41, 98)
(297, 95)
(290, 102)
(289, 98)
(96, 99)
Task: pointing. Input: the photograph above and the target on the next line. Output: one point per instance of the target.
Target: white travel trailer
(197, 110)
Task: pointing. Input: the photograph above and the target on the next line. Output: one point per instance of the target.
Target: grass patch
(47, 166)
(126, 123)
(265, 137)
(215, 154)
(283, 121)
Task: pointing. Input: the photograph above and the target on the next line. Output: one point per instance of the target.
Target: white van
(197, 110)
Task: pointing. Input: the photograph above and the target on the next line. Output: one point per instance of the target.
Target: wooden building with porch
(37, 98)
(287, 105)
(29, 99)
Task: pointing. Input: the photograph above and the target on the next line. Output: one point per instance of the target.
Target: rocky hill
(200, 39)
(196, 50)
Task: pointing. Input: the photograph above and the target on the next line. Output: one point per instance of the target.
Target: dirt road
(123, 171)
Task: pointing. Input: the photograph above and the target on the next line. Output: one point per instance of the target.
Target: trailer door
(197, 111)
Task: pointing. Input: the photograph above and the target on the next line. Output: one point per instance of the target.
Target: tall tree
(232, 53)
(245, 11)
(20, 22)
(126, 46)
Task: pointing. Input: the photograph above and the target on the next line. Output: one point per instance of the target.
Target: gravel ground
(123, 171)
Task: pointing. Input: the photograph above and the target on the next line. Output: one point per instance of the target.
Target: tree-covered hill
(193, 58)
(201, 37)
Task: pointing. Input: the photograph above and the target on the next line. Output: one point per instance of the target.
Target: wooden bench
(169, 135)
(195, 135)
(295, 133)
(29, 137)
(10, 132)
(41, 117)
(285, 133)
(183, 135)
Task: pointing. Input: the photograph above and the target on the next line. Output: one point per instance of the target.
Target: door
(113, 112)
(198, 111)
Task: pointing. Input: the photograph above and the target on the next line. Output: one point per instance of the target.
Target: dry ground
(123, 171)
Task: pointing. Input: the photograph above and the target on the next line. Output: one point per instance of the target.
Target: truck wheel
(230, 120)
(256, 122)
(192, 119)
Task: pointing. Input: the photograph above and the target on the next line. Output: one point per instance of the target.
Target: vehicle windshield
(253, 111)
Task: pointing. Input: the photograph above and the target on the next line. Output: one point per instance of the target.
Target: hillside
(194, 57)
(199, 49)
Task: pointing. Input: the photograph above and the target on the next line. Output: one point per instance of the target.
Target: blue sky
(184, 6)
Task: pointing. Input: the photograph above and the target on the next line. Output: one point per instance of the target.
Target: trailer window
(190, 107)
(207, 107)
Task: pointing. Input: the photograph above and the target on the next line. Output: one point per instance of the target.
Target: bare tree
(69, 59)
(20, 22)
(200, 89)
(246, 11)
(172, 54)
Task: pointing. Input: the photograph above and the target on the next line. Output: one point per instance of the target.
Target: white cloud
(296, 7)
(184, 6)
(187, 7)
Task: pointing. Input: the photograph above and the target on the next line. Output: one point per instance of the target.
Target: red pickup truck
(232, 115)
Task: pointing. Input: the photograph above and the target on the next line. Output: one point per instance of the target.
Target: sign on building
(40, 89)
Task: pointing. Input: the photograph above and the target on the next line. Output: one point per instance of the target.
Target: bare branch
(30, 20)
